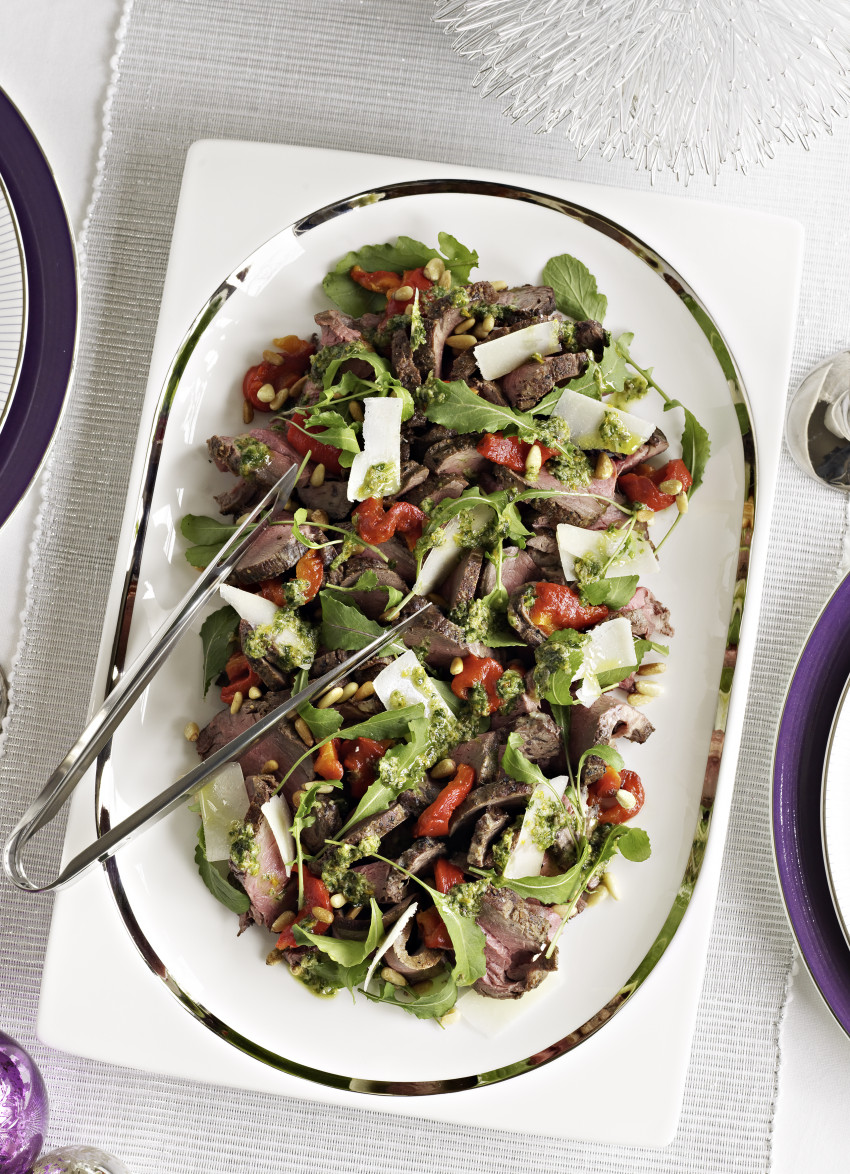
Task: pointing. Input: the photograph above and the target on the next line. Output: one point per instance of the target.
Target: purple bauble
(23, 1108)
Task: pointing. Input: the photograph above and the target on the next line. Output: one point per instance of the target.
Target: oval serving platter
(189, 940)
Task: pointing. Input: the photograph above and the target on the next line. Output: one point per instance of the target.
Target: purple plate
(51, 335)
(801, 748)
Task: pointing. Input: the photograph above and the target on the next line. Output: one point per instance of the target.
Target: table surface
(55, 64)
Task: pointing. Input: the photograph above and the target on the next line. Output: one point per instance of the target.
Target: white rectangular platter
(746, 270)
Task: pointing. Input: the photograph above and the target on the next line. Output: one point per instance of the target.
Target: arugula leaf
(445, 691)
(575, 288)
(368, 581)
(395, 764)
(390, 723)
(460, 260)
(343, 626)
(644, 646)
(234, 898)
(218, 632)
(614, 593)
(456, 406)
(358, 350)
(205, 531)
(515, 764)
(335, 432)
(631, 842)
(467, 942)
(302, 819)
(347, 294)
(436, 1002)
(550, 890)
(343, 951)
(608, 754)
(323, 723)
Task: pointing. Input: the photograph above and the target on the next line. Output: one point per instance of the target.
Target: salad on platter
(434, 823)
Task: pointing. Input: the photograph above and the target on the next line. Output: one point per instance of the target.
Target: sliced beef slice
(591, 336)
(419, 965)
(330, 496)
(437, 489)
(372, 602)
(412, 475)
(404, 366)
(504, 793)
(282, 745)
(465, 368)
(528, 384)
(487, 827)
(271, 553)
(516, 933)
(442, 639)
(520, 620)
(416, 859)
(268, 672)
(518, 568)
(458, 456)
(647, 615)
(528, 299)
(328, 822)
(243, 496)
(439, 321)
(482, 754)
(656, 444)
(462, 582)
(578, 508)
(600, 724)
(541, 738)
(265, 886)
(337, 328)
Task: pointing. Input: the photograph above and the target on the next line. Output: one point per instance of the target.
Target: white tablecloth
(54, 62)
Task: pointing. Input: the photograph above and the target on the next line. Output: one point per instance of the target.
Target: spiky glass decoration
(683, 84)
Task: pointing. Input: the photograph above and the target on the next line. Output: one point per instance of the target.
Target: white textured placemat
(377, 77)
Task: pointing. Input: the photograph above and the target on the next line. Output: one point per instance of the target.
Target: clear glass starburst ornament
(681, 84)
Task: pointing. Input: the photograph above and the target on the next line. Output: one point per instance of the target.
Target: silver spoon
(817, 428)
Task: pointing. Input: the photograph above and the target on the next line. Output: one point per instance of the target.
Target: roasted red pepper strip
(509, 451)
(479, 670)
(295, 354)
(610, 810)
(557, 607)
(378, 281)
(642, 484)
(272, 589)
(310, 570)
(327, 764)
(304, 442)
(434, 820)
(416, 279)
(360, 760)
(241, 677)
(435, 936)
(316, 896)
(374, 525)
(446, 875)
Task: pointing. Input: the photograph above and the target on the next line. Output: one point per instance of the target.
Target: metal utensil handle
(97, 733)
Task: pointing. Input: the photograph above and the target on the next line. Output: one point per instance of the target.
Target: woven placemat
(378, 77)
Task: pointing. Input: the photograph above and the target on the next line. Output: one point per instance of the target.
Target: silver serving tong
(97, 733)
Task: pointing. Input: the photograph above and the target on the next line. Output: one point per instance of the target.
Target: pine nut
(596, 896)
(269, 767)
(291, 505)
(644, 515)
(673, 487)
(325, 789)
(435, 269)
(462, 342)
(610, 883)
(243, 518)
(465, 326)
(533, 462)
(323, 915)
(638, 699)
(337, 901)
(191, 731)
(560, 910)
(449, 1018)
(625, 799)
(296, 799)
(298, 386)
(320, 517)
(408, 310)
(604, 467)
(354, 912)
(404, 293)
(280, 399)
(349, 690)
(247, 411)
(439, 600)
(393, 976)
(330, 698)
(355, 410)
(317, 477)
(650, 521)
(480, 333)
(652, 668)
(456, 666)
(266, 394)
(254, 693)
(648, 689)
(444, 281)
(422, 988)
(274, 956)
(682, 502)
(487, 323)
(444, 769)
(273, 357)
(365, 690)
(236, 703)
(286, 918)
(499, 285)
(303, 732)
